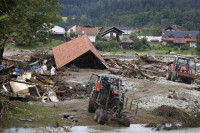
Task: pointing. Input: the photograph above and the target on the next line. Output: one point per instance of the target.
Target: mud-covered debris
(70, 90)
(170, 112)
(174, 115)
(146, 66)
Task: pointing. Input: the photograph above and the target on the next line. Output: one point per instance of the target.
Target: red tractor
(106, 99)
(183, 68)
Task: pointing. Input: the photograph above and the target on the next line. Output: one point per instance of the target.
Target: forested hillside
(134, 13)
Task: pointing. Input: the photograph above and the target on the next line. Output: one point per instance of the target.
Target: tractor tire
(102, 117)
(174, 76)
(189, 81)
(91, 106)
(169, 73)
(126, 122)
(115, 103)
(97, 113)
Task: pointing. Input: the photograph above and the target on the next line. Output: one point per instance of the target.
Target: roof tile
(69, 51)
(87, 31)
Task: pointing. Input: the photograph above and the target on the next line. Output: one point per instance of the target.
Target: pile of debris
(39, 55)
(173, 116)
(70, 90)
(170, 112)
(28, 86)
(32, 86)
(145, 66)
(25, 80)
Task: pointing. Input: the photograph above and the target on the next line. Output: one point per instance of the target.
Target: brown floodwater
(134, 128)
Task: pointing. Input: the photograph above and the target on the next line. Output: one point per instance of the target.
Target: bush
(184, 47)
(101, 45)
(106, 45)
(175, 48)
(113, 43)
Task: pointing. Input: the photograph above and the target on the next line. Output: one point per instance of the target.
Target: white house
(90, 32)
(72, 28)
(152, 39)
(58, 33)
(112, 33)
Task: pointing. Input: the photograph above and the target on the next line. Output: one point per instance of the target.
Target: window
(187, 37)
(171, 36)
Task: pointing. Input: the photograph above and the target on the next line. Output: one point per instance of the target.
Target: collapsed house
(79, 52)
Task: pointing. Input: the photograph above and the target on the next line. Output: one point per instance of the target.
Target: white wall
(92, 38)
(72, 29)
(108, 35)
(193, 44)
(149, 38)
(127, 32)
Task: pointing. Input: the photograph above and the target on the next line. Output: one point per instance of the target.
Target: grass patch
(151, 51)
(50, 44)
(41, 115)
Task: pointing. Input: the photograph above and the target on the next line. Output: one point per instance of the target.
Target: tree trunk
(2, 44)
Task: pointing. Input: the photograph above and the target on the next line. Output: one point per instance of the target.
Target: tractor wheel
(189, 81)
(174, 76)
(115, 103)
(102, 117)
(91, 106)
(97, 113)
(125, 122)
(169, 73)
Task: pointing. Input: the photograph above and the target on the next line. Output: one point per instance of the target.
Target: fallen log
(149, 59)
(8, 68)
(115, 71)
(151, 71)
(148, 76)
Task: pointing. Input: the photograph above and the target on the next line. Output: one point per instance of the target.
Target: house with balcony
(180, 38)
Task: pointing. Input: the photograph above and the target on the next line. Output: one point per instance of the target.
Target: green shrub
(184, 47)
(175, 48)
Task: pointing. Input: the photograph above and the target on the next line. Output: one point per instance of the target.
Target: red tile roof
(69, 51)
(87, 31)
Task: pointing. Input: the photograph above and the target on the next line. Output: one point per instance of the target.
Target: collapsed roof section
(79, 51)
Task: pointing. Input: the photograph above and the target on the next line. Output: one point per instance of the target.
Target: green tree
(27, 21)
(198, 42)
(113, 44)
(137, 44)
(101, 45)
(156, 31)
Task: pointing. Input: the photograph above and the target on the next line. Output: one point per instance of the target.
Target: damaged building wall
(88, 60)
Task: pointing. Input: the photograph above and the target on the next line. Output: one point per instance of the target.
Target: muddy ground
(145, 93)
(148, 94)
